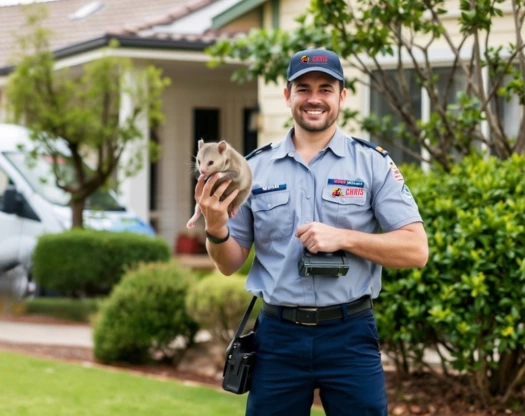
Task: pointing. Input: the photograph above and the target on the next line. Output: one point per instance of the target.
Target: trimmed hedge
(80, 310)
(144, 314)
(218, 303)
(91, 262)
(469, 301)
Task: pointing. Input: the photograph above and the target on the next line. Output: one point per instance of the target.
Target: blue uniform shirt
(348, 185)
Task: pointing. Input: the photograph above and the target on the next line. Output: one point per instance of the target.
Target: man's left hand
(320, 237)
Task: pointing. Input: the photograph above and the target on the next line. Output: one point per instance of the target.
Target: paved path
(81, 336)
(65, 335)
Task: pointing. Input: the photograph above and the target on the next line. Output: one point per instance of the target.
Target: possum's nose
(202, 171)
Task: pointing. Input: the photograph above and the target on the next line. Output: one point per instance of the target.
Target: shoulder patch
(259, 150)
(374, 146)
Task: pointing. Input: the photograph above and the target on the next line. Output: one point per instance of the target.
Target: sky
(13, 2)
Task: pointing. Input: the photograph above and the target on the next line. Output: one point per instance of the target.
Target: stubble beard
(314, 128)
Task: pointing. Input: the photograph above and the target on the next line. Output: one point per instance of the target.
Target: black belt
(312, 316)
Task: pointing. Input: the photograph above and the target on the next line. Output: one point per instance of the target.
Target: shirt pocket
(273, 218)
(338, 209)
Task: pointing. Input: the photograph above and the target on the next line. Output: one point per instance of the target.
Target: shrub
(218, 303)
(143, 316)
(80, 310)
(469, 300)
(91, 262)
(245, 268)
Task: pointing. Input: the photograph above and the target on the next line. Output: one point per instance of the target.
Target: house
(202, 102)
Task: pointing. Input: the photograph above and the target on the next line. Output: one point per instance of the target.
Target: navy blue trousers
(340, 357)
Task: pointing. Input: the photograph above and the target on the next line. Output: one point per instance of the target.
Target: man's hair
(289, 85)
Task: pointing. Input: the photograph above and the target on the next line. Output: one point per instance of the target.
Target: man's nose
(314, 98)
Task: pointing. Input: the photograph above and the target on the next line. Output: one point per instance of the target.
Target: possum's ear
(222, 146)
(200, 143)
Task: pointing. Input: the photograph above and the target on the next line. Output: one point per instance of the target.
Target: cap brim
(316, 69)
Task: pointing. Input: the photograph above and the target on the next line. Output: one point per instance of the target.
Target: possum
(223, 158)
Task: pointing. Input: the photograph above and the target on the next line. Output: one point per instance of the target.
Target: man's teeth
(314, 112)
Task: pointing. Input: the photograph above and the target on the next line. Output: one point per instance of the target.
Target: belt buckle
(314, 310)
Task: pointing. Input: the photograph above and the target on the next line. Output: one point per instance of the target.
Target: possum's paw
(190, 224)
(233, 212)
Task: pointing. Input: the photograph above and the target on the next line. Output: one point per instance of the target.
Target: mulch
(424, 394)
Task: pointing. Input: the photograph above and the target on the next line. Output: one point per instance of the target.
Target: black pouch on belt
(323, 264)
(240, 357)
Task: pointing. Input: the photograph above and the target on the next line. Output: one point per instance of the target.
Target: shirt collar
(337, 143)
(287, 148)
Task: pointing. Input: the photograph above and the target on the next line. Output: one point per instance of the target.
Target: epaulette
(259, 150)
(374, 146)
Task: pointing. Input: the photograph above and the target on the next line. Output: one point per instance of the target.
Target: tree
(363, 32)
(80, 112)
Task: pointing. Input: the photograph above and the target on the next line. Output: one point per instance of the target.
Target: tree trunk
(77, 208)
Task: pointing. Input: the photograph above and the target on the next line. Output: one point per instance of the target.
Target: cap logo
(305, 59)
(320, 59)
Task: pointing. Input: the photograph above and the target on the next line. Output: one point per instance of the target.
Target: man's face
(315, 100)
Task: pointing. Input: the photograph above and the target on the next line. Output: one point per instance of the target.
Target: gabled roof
(132, 22)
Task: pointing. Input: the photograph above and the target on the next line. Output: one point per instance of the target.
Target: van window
(4, 182)
(39, 174)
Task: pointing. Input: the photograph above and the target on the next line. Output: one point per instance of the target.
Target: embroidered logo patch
(348, 192)
(395, 171)
(406, 191)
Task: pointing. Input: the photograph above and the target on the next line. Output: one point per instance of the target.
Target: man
(321, 191)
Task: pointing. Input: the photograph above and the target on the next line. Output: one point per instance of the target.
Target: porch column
(134, 191)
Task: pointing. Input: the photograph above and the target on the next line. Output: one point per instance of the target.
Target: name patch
(348, 192)
(269, 188)
(346, 182)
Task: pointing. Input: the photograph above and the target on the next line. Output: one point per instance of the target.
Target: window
(459, 83)
(510, 111)
(39, 174)
(4, 182)
(380, 108)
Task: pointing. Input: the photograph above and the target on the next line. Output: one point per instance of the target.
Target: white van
(31, 206)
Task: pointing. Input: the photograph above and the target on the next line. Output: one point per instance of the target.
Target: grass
(36, 387)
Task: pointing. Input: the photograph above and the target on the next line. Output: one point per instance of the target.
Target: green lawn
(37, 387)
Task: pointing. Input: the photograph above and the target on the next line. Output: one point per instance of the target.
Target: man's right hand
(214, 211)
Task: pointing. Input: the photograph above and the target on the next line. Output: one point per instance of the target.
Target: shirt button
(308, 287)
(269, 205)
(307, 196)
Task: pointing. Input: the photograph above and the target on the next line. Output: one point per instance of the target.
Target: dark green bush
(91, 262)
(218, 303)
(144, 314)
(245, 268)
(80, 310)
(469, 301)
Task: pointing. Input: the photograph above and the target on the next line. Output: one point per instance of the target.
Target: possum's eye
(210, 163)
(198, 162)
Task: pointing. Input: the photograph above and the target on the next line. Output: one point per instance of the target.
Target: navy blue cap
(310, 60)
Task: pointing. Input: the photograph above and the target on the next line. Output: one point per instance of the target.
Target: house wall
(274, 111)
(244, 23)
(3, 115)
(187, 92)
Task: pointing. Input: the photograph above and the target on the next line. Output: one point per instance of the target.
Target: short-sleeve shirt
(349, 186)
